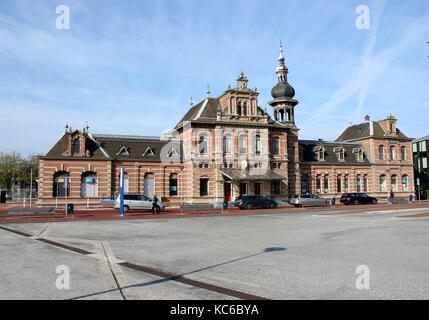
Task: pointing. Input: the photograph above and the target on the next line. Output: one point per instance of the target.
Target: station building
(228, 146)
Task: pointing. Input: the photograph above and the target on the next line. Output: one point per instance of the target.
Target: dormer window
(123, 151)
(76, 146)
(148, 152)
(320, 153)
(172, 152)
(359, 154)
(341, 153)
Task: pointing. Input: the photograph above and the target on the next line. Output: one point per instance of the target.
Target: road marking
(195, 283)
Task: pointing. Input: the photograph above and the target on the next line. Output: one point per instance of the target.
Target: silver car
(137, 201)
(308, 200)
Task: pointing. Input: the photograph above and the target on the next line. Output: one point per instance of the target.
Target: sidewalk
(94, 214)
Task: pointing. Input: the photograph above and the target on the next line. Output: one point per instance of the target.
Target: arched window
(282, 115)
(404, 182)
(288, 115)
(202, 144)
(394, 182)
(383, 182)
(392, 153)
(76, 146)
(149, 185)
(89, 186)
(276, 146)
(61, 184)
(174, 188)
(244, 109)
(239, 107)
(403, 153)
(276, 115)
(227, 144)
(381, 152)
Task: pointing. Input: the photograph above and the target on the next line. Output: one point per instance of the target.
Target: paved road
(299, 255)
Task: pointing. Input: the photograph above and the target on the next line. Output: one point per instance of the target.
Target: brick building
(227, 146)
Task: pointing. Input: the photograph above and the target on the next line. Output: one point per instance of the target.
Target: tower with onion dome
(283, 93)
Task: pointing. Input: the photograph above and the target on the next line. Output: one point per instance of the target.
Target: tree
(15, 169)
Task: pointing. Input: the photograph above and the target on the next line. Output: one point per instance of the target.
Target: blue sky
(129, 67)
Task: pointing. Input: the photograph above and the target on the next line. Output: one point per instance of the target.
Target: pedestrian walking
(155, 206)
(390, 197)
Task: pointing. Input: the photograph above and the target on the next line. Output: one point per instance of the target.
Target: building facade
(421, 171)
(229, 146)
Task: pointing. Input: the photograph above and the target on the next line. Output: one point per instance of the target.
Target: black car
(250, 202)
(357, 198)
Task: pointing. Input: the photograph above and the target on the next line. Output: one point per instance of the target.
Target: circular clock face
(243, 164)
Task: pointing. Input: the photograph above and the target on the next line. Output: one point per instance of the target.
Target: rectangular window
(326, 184)
(257, 144)
(358, 184)
(243, 189)
(204, 187)
(173, 187)
(422, 146)
(346, 184)
(276, 187)
(242, 144)
(318, 185)
(424, 163)
(276, 146)
(365, 184)
(414, 147)
(338, 185)
(304, 186)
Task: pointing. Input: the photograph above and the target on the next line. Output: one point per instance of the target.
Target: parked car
(357, 198)
(136, 201)
(308, 200)
(250, 202)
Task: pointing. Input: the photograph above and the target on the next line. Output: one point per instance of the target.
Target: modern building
(421, 172)
(228, 146)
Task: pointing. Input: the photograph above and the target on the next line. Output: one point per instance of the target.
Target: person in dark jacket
(155, 206)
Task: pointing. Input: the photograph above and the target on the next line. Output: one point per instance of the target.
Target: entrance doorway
(257, 188)
(227, 191)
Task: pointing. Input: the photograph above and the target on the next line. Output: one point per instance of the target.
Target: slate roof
(62, 144)
(206, 109)
(421, 139)
(310, 147)
(136, 147)
(108, 146)
(363, 130)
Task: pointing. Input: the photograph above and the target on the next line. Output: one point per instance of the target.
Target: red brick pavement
(112, 214)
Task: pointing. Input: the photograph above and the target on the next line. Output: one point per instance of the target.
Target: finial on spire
(191, 103)
(208, 91)
(86, 129)
(281, 52)
(66, 126)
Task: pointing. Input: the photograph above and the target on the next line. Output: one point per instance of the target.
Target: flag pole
(121, 193)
